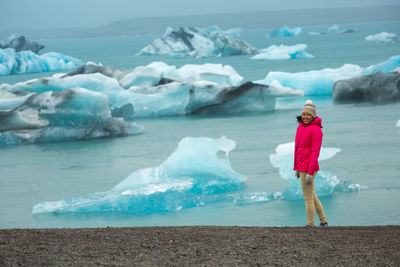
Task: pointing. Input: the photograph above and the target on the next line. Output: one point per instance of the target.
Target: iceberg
(19, 43)
(161, 90)
(377, 88)
(398, 124)
(283, 52)
(12, 62)
(196, 174)
(198, 43)
(285, 32)
(73, 114)
(383, 37)
(320, 82)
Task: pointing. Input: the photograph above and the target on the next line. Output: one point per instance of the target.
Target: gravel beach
(202, 246)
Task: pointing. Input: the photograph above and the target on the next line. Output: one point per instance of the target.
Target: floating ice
(398, 124)
(198, 43)
(285, 32)
(162, 90)
(377, 88)
(334, 28)
(383, 37)
(19, 43)
(197, 173)
(283, 52)
(155, 72)
(320, 82)
(325, 182)
(72, 114)
(12, 62)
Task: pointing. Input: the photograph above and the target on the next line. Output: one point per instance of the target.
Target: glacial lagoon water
(366, 135)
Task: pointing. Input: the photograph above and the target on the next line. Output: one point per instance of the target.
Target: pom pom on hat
(309, 107)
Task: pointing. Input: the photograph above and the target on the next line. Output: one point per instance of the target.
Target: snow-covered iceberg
(162, 90)
(72, 114)
(198, 43)
(12, 62)
(320, 82)
(283, 52)
(383, 37)
(197, 173)
(377, 88)
(285, 32)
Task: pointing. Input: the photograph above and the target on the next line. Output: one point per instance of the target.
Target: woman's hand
(297, 174)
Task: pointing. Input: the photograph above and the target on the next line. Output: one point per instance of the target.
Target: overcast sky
(43, 14)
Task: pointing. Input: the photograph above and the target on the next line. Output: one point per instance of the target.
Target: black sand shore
(202, 246)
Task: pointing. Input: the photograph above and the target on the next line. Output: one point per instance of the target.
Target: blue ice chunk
(320, 82)
(73, 114)
(12, 62)
(285, 32)
(197, 173)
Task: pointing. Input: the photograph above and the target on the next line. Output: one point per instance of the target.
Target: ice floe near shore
(196, 174)
(198, 43)
(326, 183)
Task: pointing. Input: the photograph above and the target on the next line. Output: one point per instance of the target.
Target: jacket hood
(317, 121)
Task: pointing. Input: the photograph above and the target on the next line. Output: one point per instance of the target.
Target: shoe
(325, 224)
(308, 226)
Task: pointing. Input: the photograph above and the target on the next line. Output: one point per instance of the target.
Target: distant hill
(245, 20)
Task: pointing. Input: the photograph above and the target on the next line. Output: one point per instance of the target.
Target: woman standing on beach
(307, 147)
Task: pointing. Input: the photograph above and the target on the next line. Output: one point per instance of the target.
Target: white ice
(283, 52)
(383, 37)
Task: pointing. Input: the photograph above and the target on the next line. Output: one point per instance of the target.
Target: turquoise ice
(320, 82)
(197, 173)
(12, 62)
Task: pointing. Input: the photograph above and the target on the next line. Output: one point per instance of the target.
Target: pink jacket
(307, 146)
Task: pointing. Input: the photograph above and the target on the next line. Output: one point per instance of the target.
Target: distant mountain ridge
(245, 20)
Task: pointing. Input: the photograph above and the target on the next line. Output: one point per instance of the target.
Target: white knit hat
(310, 108)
